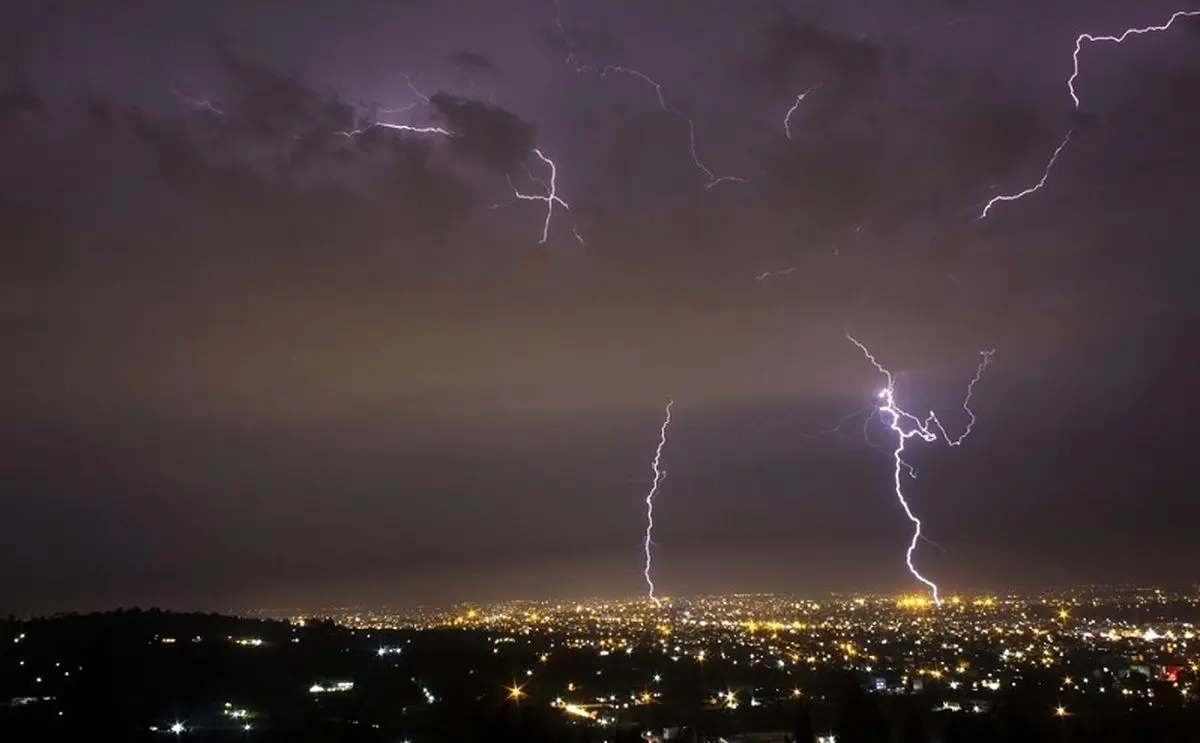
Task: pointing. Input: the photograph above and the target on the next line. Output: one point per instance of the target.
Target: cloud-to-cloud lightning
(787, 117)
(550, 196)
(906, 425)
(659, 474)
(1035, 187)
(198, 103)
(711, 178)
(768, 274)
(1074, 77)
(471, 117)
(1091, 39)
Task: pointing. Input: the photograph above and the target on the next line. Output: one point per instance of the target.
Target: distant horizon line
(1012, 590)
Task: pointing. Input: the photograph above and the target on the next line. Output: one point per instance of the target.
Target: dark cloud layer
(297, 346)
(497, 138)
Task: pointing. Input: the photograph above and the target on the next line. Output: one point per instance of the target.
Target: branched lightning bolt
(659, 474)
(402, 109)
(711, 178)
(408, 106)
(550, 186)
(1079, 42)
(787, 117)
(1035, 187)
(1089, 38)
(906, 425)
(550, 196)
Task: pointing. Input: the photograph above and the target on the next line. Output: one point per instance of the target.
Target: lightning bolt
(906, 425)
(768, 274)
(1074, 77)
(550, 197)
(198, 103)
(408, 106)
(421, 97)
(787, 117)
(1035, 187)
(659, 474)
(550, 186)
(1090, 39)
(711, 178)
(396, 127)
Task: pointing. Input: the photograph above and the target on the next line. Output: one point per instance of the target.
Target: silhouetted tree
(860, 719)
(802, 731)
(914, 728)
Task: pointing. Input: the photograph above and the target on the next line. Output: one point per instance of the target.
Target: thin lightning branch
(836, 427)
(1089, 38)
(711, 178)
(550, 186)
(768, 274)
(550, 196)
(198, 103)
(986, 358)
(787, 118)
(659, 474)
(408, 81)
(1074, 77)
(1035, 187)
(402, 109)
(397, 127)
(409, 106)
(906, 425)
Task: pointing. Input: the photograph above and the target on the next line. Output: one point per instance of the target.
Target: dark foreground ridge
(152, 675)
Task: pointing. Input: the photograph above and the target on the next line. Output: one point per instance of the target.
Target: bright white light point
(659, 474)
(178, 728)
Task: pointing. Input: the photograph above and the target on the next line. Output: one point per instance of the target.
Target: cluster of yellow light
(577, 711)
(913, 602)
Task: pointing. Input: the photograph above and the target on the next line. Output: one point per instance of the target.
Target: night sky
(251, 362)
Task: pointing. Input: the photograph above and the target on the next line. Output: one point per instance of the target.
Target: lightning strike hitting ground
(711, 178)
(659, 474)
(1089, 38)
(787, 118)
(906, 425)
(1032, 189)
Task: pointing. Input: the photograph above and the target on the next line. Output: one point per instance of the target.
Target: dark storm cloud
(17, 101)
(838, 181)
(184, 163)
(97, 110)
(491, 135)
(472, 62)
(325, 335)
(271, 105)
(799, 51)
